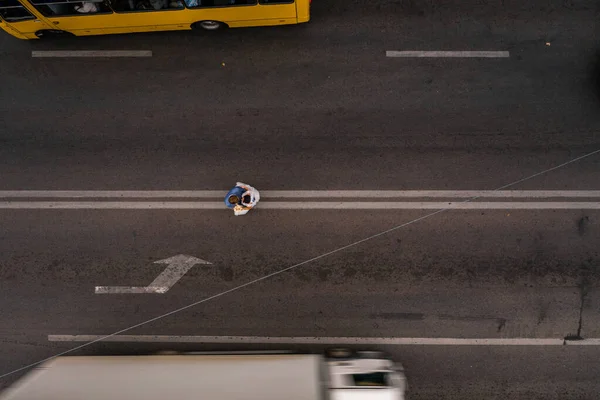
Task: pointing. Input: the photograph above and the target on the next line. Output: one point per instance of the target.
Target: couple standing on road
(242, 198)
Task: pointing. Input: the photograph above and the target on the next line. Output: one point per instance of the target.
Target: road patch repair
(306, 199)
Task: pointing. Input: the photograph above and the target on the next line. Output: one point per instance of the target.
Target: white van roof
(181, 377)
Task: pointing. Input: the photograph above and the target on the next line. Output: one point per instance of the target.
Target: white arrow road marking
(177, 267)
(129, 289)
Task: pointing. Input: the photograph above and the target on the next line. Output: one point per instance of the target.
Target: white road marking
(396, 341)
(130, 289)
(177, 267)
(294, 205)
(239, 352)
(90, 53)
(453, 54)
(146, 194)
(431, 205)
(320, 194)
(584, 342)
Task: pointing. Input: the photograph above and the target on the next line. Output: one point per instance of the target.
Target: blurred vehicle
(214, 377)
(31, 19)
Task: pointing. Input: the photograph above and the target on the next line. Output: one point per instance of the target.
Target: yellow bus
(30, 19)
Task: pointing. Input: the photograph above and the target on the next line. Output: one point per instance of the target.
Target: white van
(213, 377)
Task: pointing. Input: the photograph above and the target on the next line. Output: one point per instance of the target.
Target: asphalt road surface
(317, 107)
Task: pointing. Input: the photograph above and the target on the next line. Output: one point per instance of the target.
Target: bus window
(275, 1)
(56, 8)
(219, 3)
(12, 11)
(146, 5)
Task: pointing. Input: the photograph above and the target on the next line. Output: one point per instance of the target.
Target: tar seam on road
(265, 277)
(90, 53)
(448, 54)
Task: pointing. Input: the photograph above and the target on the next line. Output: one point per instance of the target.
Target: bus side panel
(153, 28)
(128, 22)
(11, 31)
(24, 29)
(303, 10)
(263, 22)
(262, 15)
(156, 26)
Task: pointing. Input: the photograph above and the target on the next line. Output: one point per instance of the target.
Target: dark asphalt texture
(318, 107)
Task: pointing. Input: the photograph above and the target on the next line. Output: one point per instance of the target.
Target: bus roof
(205, 377)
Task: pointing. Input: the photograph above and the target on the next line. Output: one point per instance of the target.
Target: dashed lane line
(447, 54)
(90, 53)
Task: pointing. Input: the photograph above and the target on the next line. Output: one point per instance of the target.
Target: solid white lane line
(112, 205)
(452, 54)
(142, 194)
(292, 205)
(90, 53)
(431, 193)
(419, 205)
(322, 194)
(313, 340)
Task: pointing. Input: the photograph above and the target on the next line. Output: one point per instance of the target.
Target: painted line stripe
(130, 289)
(317, 205)
(238, 352)
(312, 340)
(451, 54)
(90, 53)
(74, 194)
(321, 194)
(584, 342)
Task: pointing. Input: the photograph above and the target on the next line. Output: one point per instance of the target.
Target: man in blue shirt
(242, 198)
